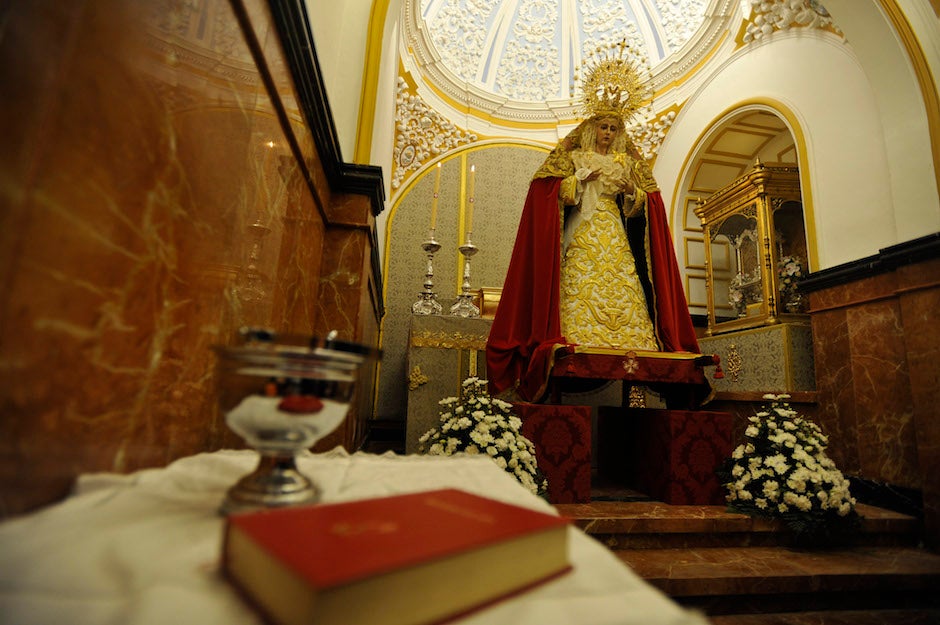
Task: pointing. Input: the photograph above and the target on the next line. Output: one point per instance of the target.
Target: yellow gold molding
(370, 82)
(495, 121)
(688, 253)
(444, 340)
(691, 201)
(633, 353)
(925, 80)
(692, 71)
(692, 303)
(739, 36)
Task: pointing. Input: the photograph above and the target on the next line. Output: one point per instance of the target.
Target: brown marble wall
(744, 405)
(877, 348)
(155, 198)
(919, 299)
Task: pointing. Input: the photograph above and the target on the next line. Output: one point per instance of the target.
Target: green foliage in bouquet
(782, 471)
(480, 424)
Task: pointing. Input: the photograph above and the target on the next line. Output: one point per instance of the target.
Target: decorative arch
(726, 149)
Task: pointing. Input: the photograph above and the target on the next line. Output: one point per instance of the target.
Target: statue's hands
(627, 186)
(585, 175)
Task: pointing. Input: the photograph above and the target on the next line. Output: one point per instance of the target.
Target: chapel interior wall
(154, 203)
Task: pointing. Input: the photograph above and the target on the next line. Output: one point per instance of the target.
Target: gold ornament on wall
(444, 340)
(416, 379)
(735, 364)
(637, 397)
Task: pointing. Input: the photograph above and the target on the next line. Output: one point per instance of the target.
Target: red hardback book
(402, 560)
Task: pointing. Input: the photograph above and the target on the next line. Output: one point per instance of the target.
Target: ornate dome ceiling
(497, 69)
(512, 63)
(528, 50)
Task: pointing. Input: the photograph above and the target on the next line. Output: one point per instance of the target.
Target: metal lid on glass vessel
(263, 352)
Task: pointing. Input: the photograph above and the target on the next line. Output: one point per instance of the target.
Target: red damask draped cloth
(526, 330)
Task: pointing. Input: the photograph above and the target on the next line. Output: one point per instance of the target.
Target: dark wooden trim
(290, 19)
(293, 26)
(887, 259)
(911, 252)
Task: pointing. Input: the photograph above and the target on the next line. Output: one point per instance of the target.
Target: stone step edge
(914, 616)
(781, 570)
(608, 518)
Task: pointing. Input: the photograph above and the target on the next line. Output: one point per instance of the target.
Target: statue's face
(607, 129)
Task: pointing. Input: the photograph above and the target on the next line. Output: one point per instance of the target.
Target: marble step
(655, 525)
(723, 571)
(837, 617)
(762, 580)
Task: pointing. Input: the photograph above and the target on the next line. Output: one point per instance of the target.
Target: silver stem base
(275, 483)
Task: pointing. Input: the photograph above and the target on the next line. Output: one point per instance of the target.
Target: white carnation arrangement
(484, 425)
(782, 471)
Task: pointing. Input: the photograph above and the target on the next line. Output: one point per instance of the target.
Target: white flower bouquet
(789, 272)
(782, 471)
(480, 424)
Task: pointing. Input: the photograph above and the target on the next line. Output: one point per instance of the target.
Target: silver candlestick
(428, 304)
(464, 306)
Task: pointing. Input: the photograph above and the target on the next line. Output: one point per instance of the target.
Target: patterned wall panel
(774, 359)
(502, 177)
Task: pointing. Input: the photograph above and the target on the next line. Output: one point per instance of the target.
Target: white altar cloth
(144, 548)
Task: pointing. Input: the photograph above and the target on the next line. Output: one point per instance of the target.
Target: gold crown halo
(615, 82)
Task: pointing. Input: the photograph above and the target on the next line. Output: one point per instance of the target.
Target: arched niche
(727, 150)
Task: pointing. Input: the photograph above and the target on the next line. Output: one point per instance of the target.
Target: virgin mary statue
(593, 263)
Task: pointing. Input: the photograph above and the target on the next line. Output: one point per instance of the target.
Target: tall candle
(473, 172)
(437, 192)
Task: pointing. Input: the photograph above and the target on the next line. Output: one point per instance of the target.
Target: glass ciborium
(281, 394)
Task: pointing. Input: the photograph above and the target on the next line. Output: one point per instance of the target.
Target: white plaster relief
(680, 20)
(532, 72)
(768, 16)
(458, 32)
(534, 59)
(420, 134)
(649, 136)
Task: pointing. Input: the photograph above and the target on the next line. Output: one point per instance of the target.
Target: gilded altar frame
(760, 217)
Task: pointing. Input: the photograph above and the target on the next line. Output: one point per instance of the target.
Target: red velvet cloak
(527, 327)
